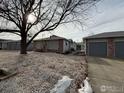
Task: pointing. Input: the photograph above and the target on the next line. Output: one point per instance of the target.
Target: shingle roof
(107, 35)
(9, 30)
(53, 37)
(5, 39)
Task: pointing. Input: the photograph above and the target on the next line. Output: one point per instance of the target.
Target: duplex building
(54, 44)
(108, 44)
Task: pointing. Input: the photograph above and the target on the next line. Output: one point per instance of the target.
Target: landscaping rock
(39, 72)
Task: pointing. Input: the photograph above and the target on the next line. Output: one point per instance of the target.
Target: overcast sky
(107, 15)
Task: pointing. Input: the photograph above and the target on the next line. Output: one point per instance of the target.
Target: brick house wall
(110, 47)
(49, 46)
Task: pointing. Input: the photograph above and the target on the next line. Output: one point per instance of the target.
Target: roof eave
(102, 37)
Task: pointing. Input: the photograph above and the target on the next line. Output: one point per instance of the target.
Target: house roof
(5, 40)
(53, 37)
(8, 30)
(107, 35)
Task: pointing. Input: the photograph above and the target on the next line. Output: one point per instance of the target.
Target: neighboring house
(1, 43)
(109, 44)
(73, 45)
(11, 45)
(53, 44)
(80, 46)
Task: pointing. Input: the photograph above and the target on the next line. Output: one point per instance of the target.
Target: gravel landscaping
(39, 72)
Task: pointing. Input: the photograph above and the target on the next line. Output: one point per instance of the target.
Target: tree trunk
(23, 49)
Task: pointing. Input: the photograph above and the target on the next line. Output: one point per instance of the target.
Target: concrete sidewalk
(107, 75)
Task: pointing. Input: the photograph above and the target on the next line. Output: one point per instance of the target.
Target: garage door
(119, 49)
(97, 49)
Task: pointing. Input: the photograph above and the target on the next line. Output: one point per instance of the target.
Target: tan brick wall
(110, 47)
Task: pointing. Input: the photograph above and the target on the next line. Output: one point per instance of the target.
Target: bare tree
(48, 15)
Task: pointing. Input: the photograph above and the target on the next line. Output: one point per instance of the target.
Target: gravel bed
(39, 72)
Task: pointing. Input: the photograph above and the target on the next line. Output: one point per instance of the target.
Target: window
(66, 43)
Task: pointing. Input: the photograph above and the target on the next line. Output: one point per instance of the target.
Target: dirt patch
(39, 72)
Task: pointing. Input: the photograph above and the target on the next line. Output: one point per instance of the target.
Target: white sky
(107, 15)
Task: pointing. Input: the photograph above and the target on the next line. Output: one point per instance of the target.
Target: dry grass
(39, 72)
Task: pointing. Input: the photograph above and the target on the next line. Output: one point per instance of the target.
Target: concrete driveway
(107, 75)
